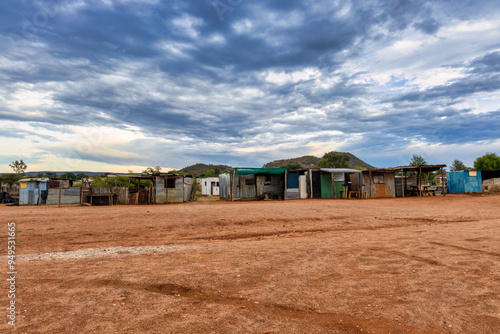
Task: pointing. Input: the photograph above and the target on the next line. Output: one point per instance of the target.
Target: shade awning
(247, 171)
(339, 170)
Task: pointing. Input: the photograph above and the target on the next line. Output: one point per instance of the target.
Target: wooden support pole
(419, 181)
(138, 191)
(403, 182)
(360, 186)
(59, 202)
(39, 195)
(442, 182)
(370, 181)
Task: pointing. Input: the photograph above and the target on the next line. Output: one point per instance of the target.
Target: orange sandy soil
(412, 265)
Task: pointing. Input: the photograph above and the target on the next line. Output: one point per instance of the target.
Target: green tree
(334, 160)
(10, 179)
(359, 168)
(68, 176)
(292, 166)
(19, 167)
(458, 165)
(489, 161)
(152, 170)
(417, 160)
(210, 173)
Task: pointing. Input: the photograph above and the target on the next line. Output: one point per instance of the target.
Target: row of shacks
(252, 184)
(166, 188)
(279, 183)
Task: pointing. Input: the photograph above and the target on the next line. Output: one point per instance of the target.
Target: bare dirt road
(413, 265)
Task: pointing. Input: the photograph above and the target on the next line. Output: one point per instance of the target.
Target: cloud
(173, 84)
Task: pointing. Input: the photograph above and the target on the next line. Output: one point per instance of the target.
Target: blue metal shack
(33, 191)
(464, 181)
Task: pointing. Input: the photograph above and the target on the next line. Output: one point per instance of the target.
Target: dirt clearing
(413, 265)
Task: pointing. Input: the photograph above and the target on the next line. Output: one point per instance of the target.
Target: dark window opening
(170, 183)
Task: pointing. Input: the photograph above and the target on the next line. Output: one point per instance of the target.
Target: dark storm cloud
(181, 69)
(484, 77)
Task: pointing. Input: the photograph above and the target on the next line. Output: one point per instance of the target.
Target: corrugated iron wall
(225, 186)
(380, 190)
(460, 182)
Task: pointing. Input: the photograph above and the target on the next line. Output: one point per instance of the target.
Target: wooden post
(59, 202)
(419, 182)
(81, 193)
(442, 181)
(406, 182)
(360, 186)
(39, 194)
(138, 191)
(370, 181)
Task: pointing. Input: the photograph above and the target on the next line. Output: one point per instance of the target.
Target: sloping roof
(43, 179)
(339, 170)
(247, 171)
(424, 168)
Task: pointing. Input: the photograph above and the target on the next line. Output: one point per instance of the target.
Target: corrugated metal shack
(380, 183)
(335, 183)
(253, 184)
(112, 194)
(172, 188)
(33, 191)
(296, 184)
(464, 181)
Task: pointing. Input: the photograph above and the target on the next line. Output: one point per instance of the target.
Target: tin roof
(34, 179)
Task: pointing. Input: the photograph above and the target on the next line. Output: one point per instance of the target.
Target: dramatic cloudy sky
(118, 85)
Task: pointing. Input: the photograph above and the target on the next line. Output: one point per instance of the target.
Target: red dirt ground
(413, 265)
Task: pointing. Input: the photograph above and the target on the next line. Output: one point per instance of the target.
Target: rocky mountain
(199, 169)
(309, 161)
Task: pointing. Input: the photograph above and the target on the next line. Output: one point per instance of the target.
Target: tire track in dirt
(298, 233)
(341, 321)
(412, 257)
(465, 248)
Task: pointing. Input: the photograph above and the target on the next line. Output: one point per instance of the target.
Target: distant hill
(74, 172)
(309, 161)
(199, 169)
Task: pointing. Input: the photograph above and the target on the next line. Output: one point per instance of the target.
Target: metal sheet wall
(460, 182)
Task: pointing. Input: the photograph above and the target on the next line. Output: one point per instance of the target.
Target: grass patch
(51, 228)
